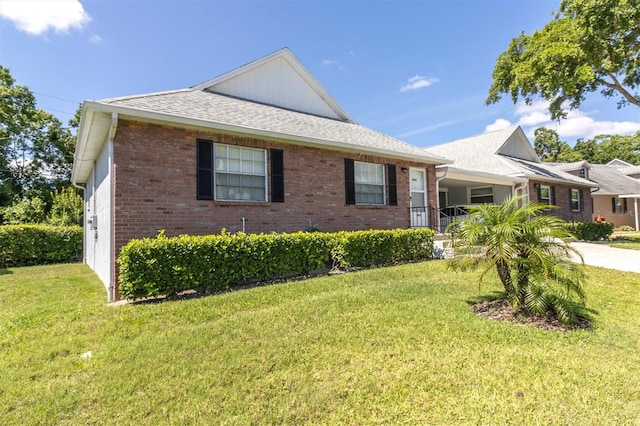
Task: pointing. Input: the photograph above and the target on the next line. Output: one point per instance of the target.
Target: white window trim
(548, 202)
(383, 184)
(266, 174)
(576, 191)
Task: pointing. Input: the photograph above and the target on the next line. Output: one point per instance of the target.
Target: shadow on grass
(494, 306)
(5, 271)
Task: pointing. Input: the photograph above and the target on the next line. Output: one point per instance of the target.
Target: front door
(418, 200)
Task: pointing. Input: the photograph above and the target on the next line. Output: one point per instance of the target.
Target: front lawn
(626, 240)
(398, 345)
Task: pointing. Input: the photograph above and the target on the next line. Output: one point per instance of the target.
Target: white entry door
(418, 187)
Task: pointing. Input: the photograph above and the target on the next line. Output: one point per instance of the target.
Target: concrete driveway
(609, 257)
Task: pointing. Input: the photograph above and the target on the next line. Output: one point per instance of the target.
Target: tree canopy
(36, 150)
(589, 45)
(599, 150)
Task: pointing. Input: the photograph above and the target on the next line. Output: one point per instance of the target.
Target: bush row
(24, 245)
(169, 265)
(591, 231)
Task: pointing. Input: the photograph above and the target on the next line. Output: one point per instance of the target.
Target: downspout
(438, 179)
(521, 185)
(112, 134)
(84, 220)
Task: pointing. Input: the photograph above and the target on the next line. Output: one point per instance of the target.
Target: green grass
(626, 240)
(397, 345)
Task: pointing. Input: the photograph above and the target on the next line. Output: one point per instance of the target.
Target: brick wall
(562, 201)
(155, 188)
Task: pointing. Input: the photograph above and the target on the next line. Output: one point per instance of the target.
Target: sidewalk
(608, 257)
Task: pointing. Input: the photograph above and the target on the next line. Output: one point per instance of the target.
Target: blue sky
(416, 70)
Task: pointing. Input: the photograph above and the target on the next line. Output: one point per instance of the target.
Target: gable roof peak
(278, 79)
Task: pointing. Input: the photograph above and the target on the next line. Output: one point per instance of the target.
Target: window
(575, 200)
(545, 194)
(481, 195)
(583, 172)
(228, 172)
(369, 180)
(240, 173)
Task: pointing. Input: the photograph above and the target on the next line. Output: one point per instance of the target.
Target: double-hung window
(575, 200)
(369, 183)
(240, 173)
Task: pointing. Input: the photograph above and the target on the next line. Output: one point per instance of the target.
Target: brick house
(262, 148)
(618, 192)
(489, 167)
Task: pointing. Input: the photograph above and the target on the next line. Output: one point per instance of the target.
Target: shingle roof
(481, 153)
(612, 181)
(251, 116)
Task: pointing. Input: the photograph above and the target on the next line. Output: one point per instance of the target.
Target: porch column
(635, 208)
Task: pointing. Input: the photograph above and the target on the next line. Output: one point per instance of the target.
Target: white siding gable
(518, 146)
(278, 79)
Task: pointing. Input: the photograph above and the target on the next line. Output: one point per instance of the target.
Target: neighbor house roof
(612, 181)
(505, 152)
(199, 107)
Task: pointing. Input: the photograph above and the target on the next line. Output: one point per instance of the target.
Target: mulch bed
(500, 310)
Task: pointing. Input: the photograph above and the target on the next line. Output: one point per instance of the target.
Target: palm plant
(529, 253)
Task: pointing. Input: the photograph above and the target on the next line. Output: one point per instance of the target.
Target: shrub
(23, 245)
(591, 231)
(26, 211)
(169, 265)
(624, 228)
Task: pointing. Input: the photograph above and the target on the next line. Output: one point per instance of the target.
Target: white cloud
(329, 62)
(418, 82)
(499, 124)
(95, 39)
(39, 16)
(427, 129)
(577, 124)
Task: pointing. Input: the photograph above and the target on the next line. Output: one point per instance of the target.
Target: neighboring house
(489, 167)
(259, 149)
(616, 198)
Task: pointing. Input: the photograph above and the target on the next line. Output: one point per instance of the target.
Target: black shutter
(613, 204)
(581, 200)
(538, 191)
(552, 195)
(349, 181)
(277, 176)
(393, 190)
(204, 161)
(625, 208)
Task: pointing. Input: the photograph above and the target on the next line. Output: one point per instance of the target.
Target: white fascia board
(92, 132)
(629, 196)
(299, 140)
(483, 177)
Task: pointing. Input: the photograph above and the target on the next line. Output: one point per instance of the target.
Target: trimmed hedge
(24, 245)
(591, 231)
(169, 265)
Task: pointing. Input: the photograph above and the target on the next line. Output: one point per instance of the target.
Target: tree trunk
(505, 277)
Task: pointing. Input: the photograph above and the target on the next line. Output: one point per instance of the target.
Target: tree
(550, 148)
(66, 208)
(36, 151)
(590, 45)
(604, 148)
(529, 253)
